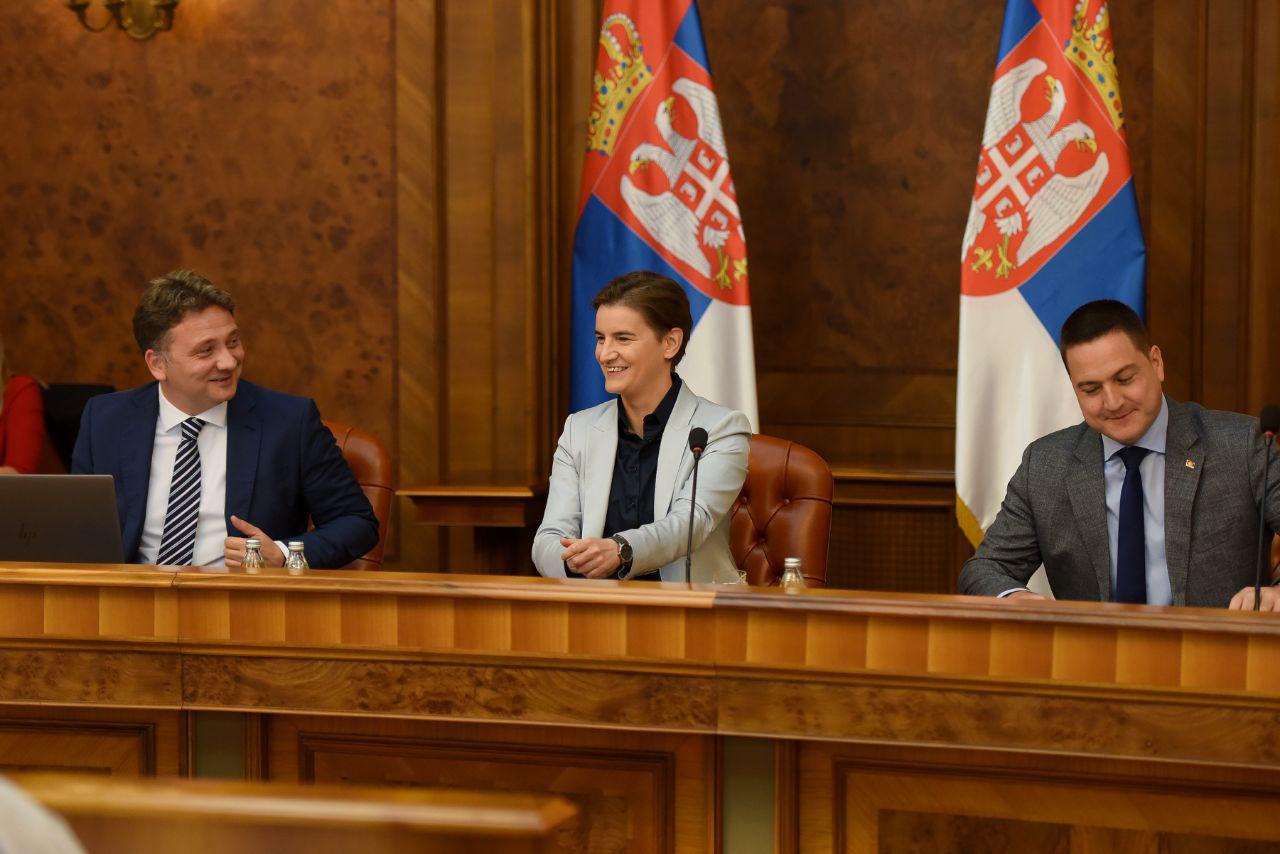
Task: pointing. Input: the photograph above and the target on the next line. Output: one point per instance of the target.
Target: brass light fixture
(141, 19)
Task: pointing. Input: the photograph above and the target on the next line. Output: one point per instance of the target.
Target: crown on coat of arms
(1091, 50)
(615, 90)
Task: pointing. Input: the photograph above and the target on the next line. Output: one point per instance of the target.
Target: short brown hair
(1094, 319)
(170, 298)
(661, 302)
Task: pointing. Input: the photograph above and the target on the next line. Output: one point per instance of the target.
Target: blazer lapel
(602, 449)
(675, 441)
(1087, 491)
(1183, 462)
(244, 435)
(136, 446)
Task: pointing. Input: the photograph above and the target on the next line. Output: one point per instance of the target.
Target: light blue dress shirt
(1151, 469)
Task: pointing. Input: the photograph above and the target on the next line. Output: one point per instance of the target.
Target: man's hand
(1022, 594)
(1243, 601)
(594, 558)
(233, 548)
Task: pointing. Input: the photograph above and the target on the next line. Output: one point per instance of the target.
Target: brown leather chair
(371, 464)
(784, 510)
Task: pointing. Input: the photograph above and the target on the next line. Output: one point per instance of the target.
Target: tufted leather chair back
(784, 510)
(371, 464)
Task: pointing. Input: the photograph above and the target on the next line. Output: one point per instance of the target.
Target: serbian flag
(657, 195)
(1053, 224)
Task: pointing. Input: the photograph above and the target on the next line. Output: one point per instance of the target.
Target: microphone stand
(1267, 439)
(693, 496)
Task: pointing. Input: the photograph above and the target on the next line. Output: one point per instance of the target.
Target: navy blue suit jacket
(283, 466)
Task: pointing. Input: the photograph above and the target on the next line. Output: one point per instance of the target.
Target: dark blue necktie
(1131, 550)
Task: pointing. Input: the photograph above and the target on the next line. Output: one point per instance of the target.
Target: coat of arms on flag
(1048, 151)
(657, 193)
(1053, 224)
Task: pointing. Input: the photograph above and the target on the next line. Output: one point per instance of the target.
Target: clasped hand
(593, 557)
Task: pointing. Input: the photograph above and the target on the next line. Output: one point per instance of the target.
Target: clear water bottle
(792, 577)
(296, 563)
(253, 561)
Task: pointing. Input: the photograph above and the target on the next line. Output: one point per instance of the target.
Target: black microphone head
(697, 440)
(1270, 419)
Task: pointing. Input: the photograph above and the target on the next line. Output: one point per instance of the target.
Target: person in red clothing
(21, 421)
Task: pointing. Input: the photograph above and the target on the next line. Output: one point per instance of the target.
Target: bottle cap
(791, 563)
(253, 543)
(295, 545)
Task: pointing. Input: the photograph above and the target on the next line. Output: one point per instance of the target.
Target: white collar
(1154, 440)
(171, 416)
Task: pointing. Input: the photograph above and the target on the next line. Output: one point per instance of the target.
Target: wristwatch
(624, 552)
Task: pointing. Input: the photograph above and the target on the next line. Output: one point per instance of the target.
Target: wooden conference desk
(161, 816)
(908, 720)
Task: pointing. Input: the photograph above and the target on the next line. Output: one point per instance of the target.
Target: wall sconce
(141, 19)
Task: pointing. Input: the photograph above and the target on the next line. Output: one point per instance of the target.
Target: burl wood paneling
(118, 742)
(874, 799)
(252, 143)
(651, 792)
(902, 832)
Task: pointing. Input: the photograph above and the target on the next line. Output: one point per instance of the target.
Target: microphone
(697, 444)
(1269, 421)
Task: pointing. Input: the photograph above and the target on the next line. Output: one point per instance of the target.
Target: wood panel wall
(853, 130)
(252, 143)
(397, 182)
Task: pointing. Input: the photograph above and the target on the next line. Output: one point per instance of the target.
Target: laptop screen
(59, 518)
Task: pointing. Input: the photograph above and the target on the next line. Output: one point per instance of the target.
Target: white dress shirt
(211, 529)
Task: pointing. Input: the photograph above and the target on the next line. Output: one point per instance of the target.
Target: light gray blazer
(1055, 512)
(582, 474)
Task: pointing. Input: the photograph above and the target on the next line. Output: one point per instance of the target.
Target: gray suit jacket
(1055, 513)
(582, 474)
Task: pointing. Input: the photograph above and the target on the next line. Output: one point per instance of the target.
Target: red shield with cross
(1049, 160)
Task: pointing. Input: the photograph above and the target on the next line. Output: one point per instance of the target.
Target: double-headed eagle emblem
(698, 211)
(1017, 184)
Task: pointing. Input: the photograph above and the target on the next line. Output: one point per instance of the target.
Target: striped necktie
(178, 543)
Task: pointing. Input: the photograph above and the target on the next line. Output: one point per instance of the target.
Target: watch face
(624, 549)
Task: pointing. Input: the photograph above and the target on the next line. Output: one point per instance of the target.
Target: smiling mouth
(615, 369)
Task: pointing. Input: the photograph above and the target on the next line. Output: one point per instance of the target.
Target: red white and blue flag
(1053, 224)
(657, 195)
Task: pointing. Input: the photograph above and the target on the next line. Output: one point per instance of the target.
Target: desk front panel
(610, 691)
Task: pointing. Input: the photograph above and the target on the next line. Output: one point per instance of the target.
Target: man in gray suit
(1148, 501)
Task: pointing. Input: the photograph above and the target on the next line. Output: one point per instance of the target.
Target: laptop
(59, 518)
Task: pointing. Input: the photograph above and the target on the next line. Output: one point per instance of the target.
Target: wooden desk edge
(421, 810)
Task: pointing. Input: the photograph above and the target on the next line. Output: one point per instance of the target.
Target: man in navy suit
(202, 460)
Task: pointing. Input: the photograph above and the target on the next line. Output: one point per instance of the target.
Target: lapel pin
(1191, 464)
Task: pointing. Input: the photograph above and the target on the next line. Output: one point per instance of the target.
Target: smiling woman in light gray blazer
(642, 330)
